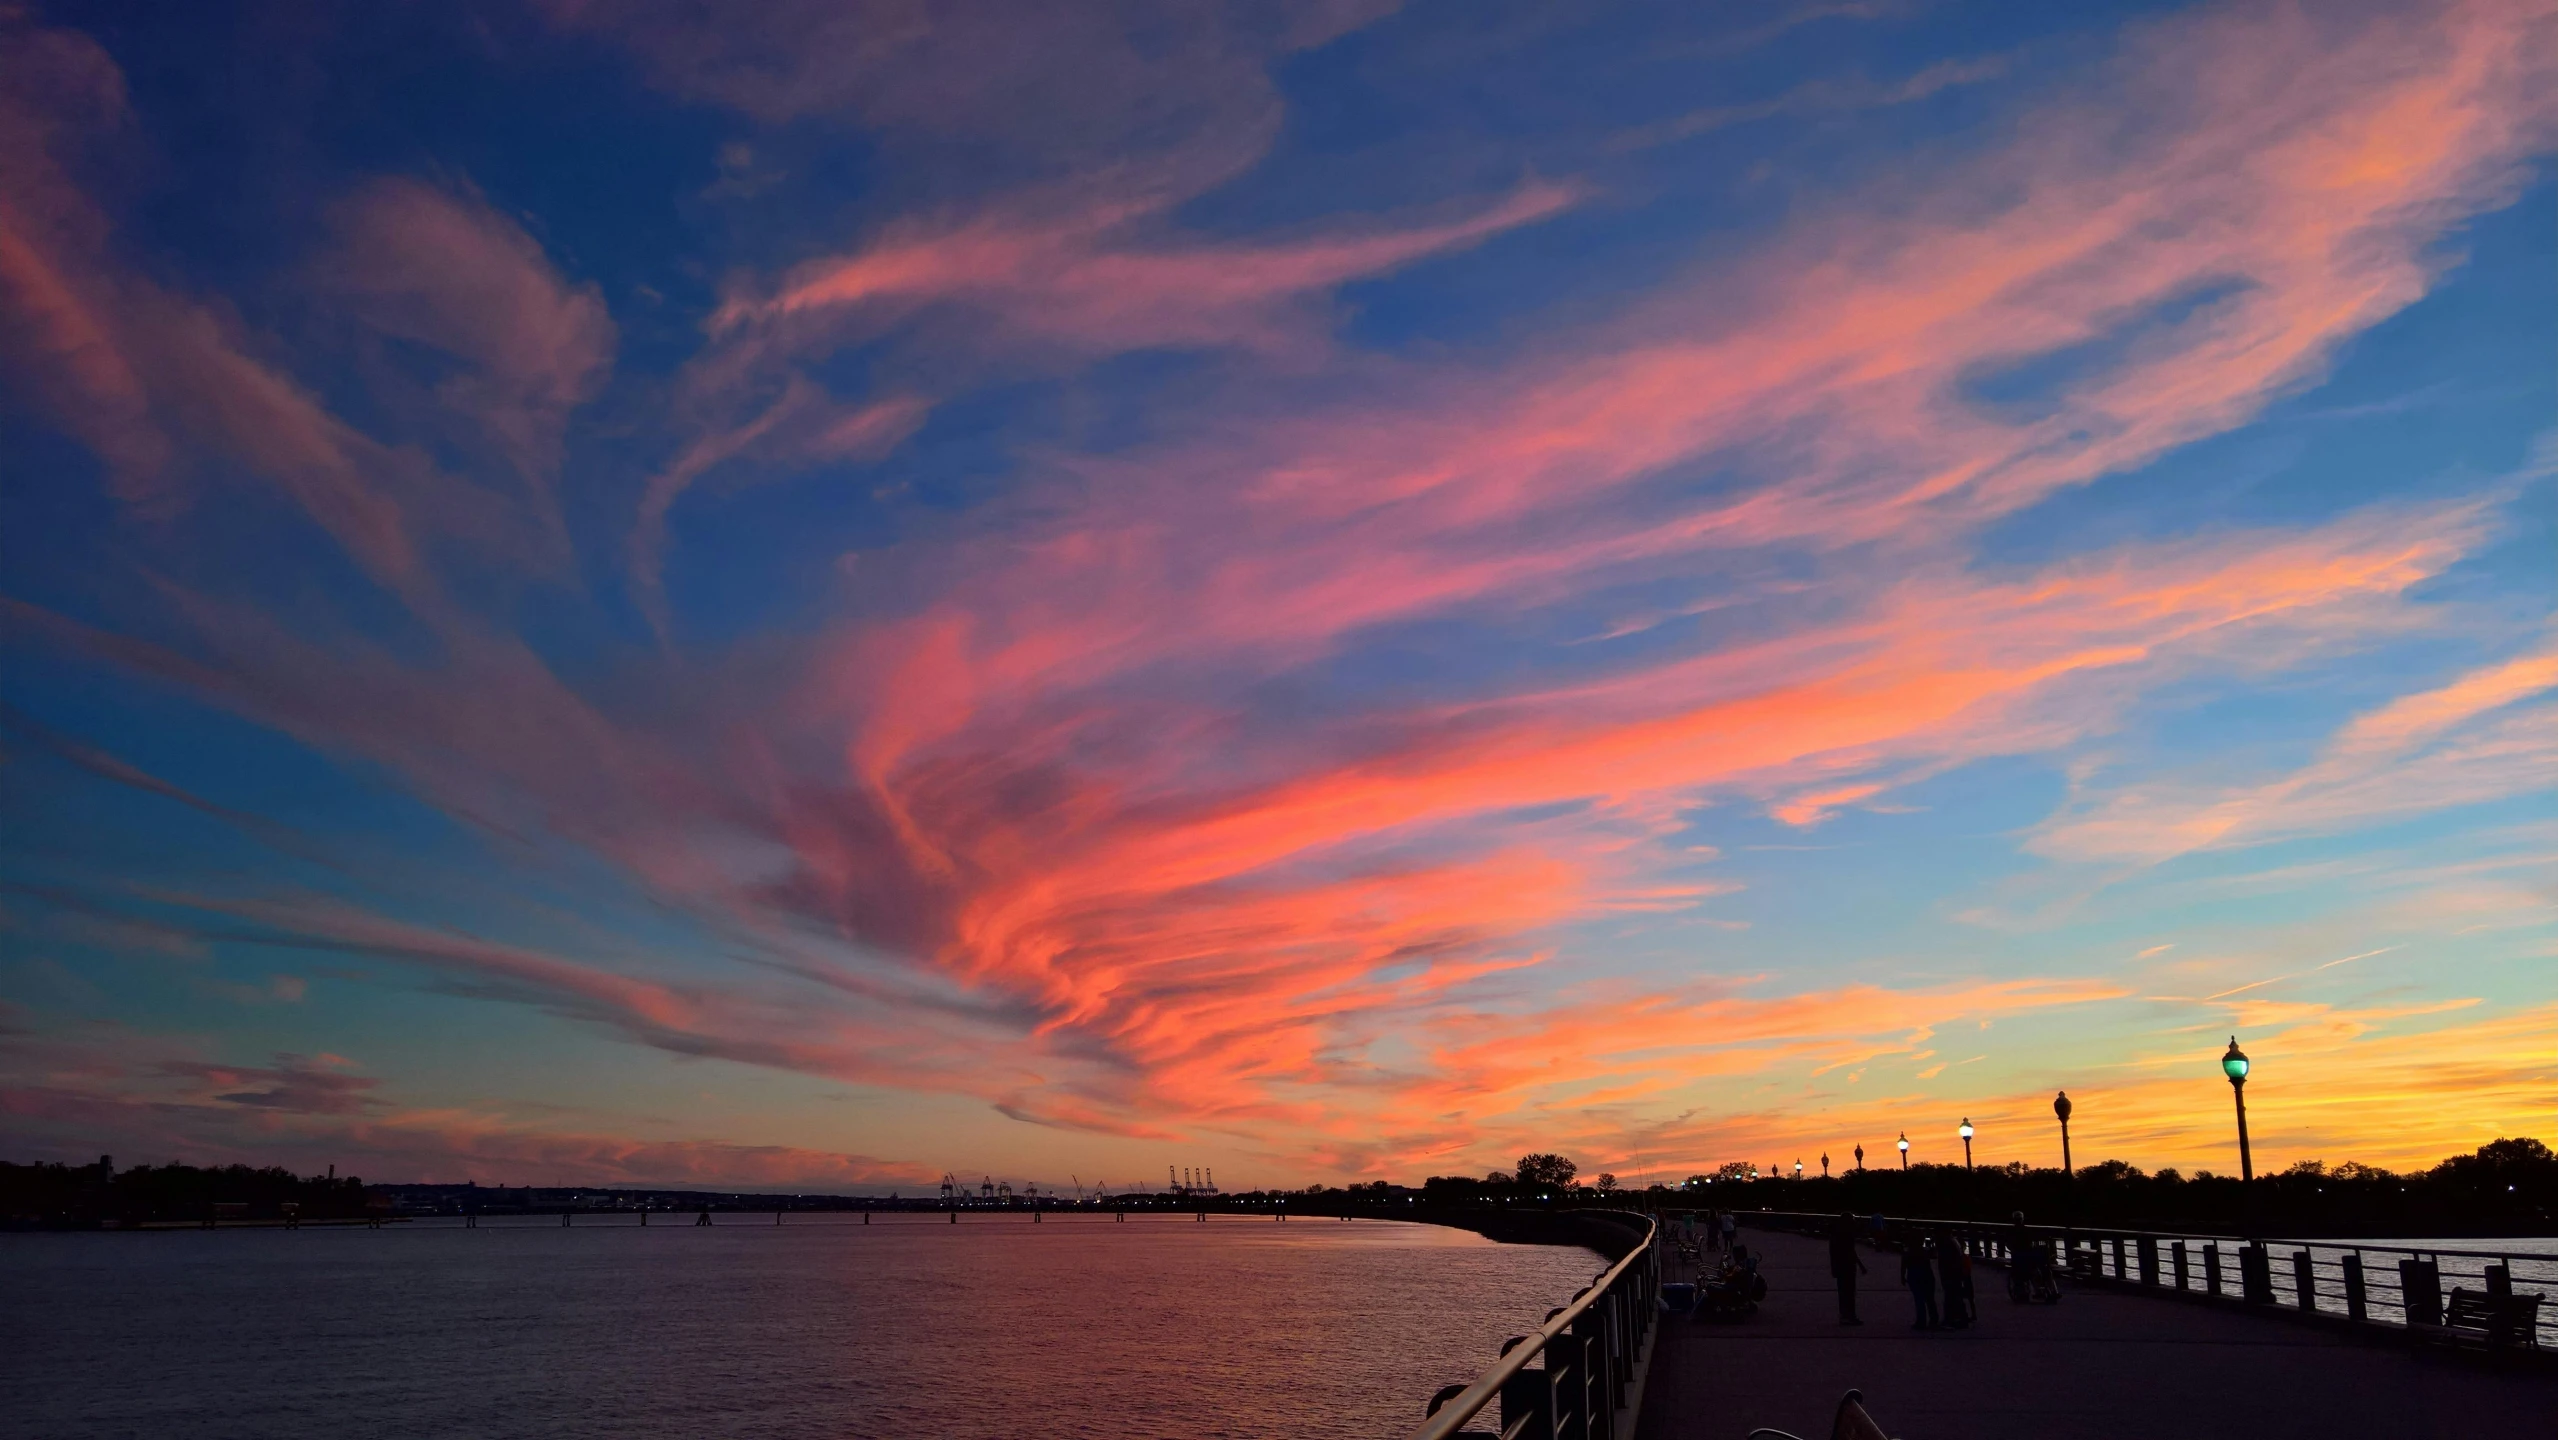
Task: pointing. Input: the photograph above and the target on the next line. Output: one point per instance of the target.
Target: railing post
(1589, 1348)
(1612, 1322)
(2305, 1280)
(2149, 1259)
(2211, 1267)
(1529, 1396)
(2119, 1272)
(1586, 1422)
(2420, 1290)
(1562, 1373)
(2255, 1274)
(2176, 1254)
(1592, 1391)
(2354, 1308)
(1620, 1360)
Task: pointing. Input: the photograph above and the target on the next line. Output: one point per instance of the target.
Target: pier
(2132, 1349)
(2105, 1362)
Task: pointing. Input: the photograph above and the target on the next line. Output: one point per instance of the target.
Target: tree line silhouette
(2506, 1187)
(53, 1196)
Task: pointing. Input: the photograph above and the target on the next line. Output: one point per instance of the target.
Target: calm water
(2532, 1263)
(817, 1328)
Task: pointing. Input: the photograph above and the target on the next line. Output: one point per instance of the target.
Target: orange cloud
(1027, 795)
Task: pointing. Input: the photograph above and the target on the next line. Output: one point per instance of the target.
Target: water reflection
(818, 1328)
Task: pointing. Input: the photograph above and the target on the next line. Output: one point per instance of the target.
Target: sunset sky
(806, 595)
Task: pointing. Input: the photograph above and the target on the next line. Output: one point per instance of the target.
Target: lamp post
(2060, 1107)
(1860, 1157)
(1966, 1133)
(1825, 1164)
(2234, 1065)
(1798, 1169)
(1905, 1149)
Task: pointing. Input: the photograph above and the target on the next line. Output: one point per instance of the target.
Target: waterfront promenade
(2100, 1364)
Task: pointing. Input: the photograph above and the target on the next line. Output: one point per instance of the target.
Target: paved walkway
(2098, 1364)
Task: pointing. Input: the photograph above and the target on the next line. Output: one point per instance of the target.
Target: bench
(2495, 1319)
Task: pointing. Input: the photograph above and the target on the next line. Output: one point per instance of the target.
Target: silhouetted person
(1845, 1265)
(1729, 1229)
(1920, 1276)
(1954, 1278)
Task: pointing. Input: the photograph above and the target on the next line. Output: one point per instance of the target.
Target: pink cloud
(801, 426)
(72, 1098)
(2471, 741)
(1073, 84)
(1837, 359)
(295, 1084)
(1030, 773)
(447, 271)
(56, 335)
(1090, 282)
(176, 395)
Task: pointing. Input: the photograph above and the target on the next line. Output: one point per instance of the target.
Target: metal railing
(1594, 1354)
(2409, 1288)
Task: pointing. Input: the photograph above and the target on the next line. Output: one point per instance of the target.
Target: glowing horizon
(814, 597)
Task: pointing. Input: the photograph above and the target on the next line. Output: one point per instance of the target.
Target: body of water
(2531, 1264)
(820, 1327)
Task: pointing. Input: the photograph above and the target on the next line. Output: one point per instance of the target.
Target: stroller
(1733, 1293)
(2032, 1279)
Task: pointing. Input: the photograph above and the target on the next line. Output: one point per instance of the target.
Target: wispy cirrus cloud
(177, 396)
(1822, 97)
(72, 1096)
(1235, 773)
(2487, 735)
(1087, 282)
(524, 346)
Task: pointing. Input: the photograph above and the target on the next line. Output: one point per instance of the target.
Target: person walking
(1845, 1266)
(1729, 1229)
(1920, 1276)
(1954, 1280)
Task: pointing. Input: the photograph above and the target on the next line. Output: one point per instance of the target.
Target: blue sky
(813, 595)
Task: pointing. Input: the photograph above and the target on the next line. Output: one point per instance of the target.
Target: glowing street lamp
(1966, 1133)
(2234, 1065)
(2061, 1107)
(1905, 1149)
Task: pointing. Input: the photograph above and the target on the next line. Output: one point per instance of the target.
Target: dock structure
(2105, 1362)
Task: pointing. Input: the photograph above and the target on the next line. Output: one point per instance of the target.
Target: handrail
(2129, 1233)
(1448, 1419)
(2330, 1279)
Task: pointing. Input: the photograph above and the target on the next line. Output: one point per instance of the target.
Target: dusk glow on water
(813, 596)
(818, 1329)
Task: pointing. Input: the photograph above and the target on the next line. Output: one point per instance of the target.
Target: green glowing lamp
(2234, 1063)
